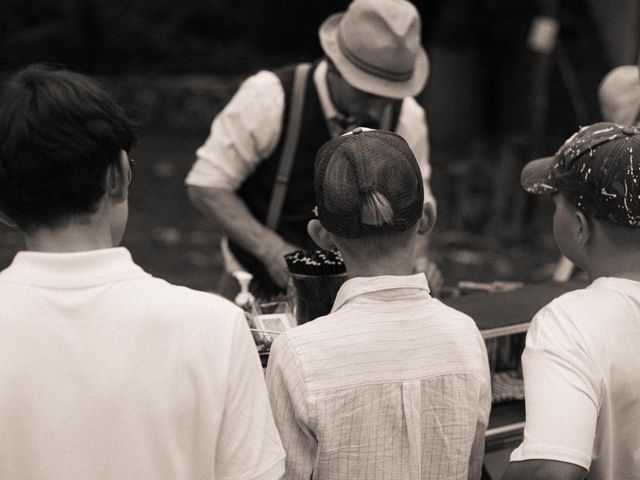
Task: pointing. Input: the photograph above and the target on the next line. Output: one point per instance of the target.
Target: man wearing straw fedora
(581, 362)
(253, 175)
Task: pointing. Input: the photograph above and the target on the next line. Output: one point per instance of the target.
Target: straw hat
(375, 45)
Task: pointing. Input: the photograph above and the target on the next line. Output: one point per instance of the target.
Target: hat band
(372, 69)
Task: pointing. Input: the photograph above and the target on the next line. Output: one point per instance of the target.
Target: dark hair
(59, 132)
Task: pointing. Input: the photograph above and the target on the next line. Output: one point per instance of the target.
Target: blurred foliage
(161, 36)
(174, 102)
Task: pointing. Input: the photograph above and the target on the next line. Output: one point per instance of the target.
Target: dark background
(492, 104)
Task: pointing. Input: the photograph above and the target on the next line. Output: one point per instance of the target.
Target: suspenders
(291, 136)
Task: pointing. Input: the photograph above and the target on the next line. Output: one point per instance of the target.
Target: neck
(629, 272)
(74, 236)
(615, 265)
(399, 263)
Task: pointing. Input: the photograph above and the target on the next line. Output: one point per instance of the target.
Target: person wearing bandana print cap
(581, 363)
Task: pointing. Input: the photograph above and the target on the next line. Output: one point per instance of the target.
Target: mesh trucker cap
(597, 169)
(350, 167)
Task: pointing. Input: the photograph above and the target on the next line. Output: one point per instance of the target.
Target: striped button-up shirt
(392, 384)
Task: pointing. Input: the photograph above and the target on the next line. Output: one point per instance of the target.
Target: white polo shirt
(109, 373)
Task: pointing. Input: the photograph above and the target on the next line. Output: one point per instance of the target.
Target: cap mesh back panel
(349, 167)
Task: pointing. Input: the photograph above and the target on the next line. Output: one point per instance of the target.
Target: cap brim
(364, 81)
(537, 176)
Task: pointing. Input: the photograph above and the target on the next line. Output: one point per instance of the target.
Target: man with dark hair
(105, 371)
(581, 362)
(253, 175)
(392, 383)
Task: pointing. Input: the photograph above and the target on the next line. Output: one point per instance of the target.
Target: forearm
(230, 216)
(544, 470)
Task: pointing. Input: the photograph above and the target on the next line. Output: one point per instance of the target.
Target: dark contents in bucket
(318, 262)
(315, 279)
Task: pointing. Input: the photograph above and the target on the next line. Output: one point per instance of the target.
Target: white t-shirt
(582, 381)
(109, 373)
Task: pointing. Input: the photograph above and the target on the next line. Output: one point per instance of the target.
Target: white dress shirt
(391, 384)
(248, 130)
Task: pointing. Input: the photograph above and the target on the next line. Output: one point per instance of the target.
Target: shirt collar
(358, 286)
(322, 88)
(72, 270)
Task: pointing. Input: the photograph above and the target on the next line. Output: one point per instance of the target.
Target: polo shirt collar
(358, 286)
(72, 270)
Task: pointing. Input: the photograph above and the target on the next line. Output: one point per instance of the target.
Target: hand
(276, 264)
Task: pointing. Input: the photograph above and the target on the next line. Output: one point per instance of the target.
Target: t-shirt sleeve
(245, 132)
(562, 391)
(249, 446)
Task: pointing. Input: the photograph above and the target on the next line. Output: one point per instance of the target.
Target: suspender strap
(291, 136)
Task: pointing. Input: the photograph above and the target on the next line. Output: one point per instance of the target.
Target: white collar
(72, 270)
(355, 287)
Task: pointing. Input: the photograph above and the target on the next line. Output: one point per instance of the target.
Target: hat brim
(537, 176)
(367, 82)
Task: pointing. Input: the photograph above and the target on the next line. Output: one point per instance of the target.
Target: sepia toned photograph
(320, 239)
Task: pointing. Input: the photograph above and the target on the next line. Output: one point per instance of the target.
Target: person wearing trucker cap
(581, 362)
(253, 175)
(392, 383)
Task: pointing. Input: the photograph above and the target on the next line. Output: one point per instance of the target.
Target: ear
(319, 234)
(7, 221)
(585, 230)
(428, 218)
(118, 178)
